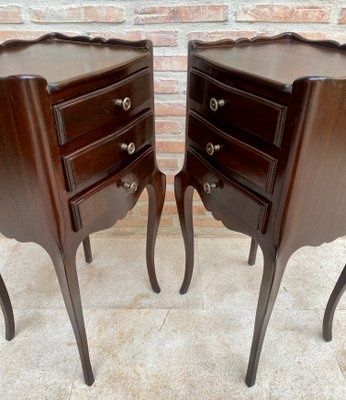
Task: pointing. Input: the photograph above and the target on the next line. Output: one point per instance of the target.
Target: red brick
(143, 196)
(170, 147)
(143, 208)
(210, 221)
(163, 38)
(313, 35)
(220, 35)
(169, 196)
(170, 63)
(109, 14)
(159, 38)
(202, 13)
(168, 127)
(199, 209)
(139, 221)
(11, 15)
(169, 179)
(197, 203)
(163, 109)
(283, 13)
(170, 164)
(28, 35)
(196, 196)
(170, 209)
(166, 221)
(166, 86)
(339, 37)
(342, 18)
(23, 35)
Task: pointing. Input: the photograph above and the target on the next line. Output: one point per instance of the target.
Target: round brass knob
(130, 148)
(131, 187)
(124, 103)
(208, 187)
(215, 104)
(211, 148)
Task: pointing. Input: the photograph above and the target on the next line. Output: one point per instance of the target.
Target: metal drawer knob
(208, 187)
(131, 187)
(211, 148)
(130, 148)
(215, 104)
(124, 103)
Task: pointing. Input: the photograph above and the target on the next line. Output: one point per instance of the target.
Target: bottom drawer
(110, 199)
(245, 205)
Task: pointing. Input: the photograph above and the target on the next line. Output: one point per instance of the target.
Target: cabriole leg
(333, 301)
(7, 310)
(184, 197)
(272, 276)
(87, 250)
(253, 252)
(156, 192)
(65, 267)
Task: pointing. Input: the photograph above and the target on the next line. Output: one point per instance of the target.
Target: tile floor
(168, 346)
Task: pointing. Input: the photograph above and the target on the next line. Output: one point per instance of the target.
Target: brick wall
(170, 27)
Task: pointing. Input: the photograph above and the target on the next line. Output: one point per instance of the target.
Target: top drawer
(116, 103)
(243, 110)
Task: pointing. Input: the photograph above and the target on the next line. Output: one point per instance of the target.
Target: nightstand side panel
(316, 178)
(27, 172)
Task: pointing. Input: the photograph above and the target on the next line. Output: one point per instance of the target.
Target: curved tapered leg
(253, 252)
(183, 198)
(156, 192)
(65, 267)
(333, 301)
(7, 310)
(87, 250)
(272, 276)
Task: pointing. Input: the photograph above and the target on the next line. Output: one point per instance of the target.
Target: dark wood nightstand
(77, 148)
(266, 151)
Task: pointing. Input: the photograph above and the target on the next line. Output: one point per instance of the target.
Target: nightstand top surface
(281, 61)
(60, 61)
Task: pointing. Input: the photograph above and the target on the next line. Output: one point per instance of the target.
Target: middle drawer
(231, 154)
(90, 162)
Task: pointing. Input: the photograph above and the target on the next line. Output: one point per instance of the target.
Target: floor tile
(149, 346)
(202, 354)
(116, 278)
(7, 247)
(230, 283)
(162, 354)
(30, 279)
(318, 270)
(41, 361)
(338, 342)
(296, 362)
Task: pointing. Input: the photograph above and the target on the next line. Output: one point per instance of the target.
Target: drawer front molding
(83, 114)
(241, 202)
(105, 154)
(246, 111)
(232, 154)
(114, 196)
